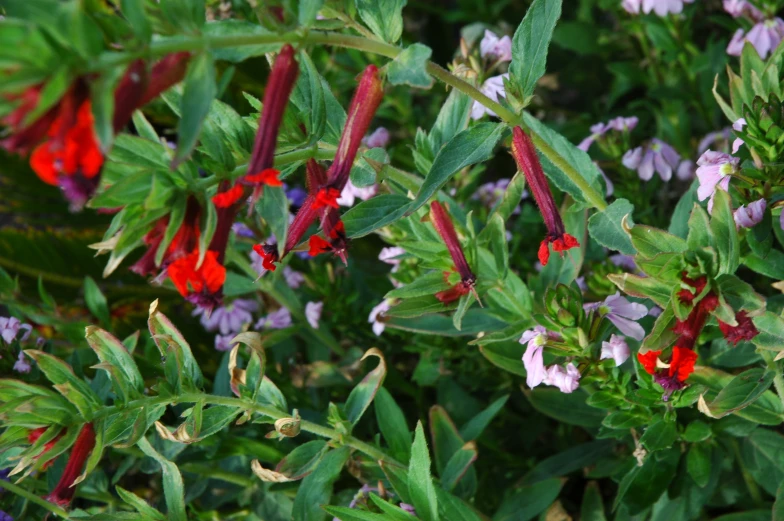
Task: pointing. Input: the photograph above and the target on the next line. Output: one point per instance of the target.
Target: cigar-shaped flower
(442, 222)
(524, 153)
(64, 491)
(363, 107)
(276, 96)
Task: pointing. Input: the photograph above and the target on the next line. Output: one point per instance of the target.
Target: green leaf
(778, 505)
(680, 216)
(660, 435)
(725, 232)
(763, 456)
(592, 508)
(383, 17)
(410, 67)
(458, 465)
(362, 395)
(209, 223)
(697, 431)
(199, 91)
(133, 10)
(316, 489)
(238, 53)
(180, 366)
(570, 460)
(446, 438)
(567, 408)
(642, 287)
(353, 514)
(740, 392)
(607, 228)
(139, 504)
(526, 502)
(127, 380)
(476, 425)
(308, 98)
(530, 43)
(463, 305)
(698, 463)
(467, 148)
(766, 410)
(771, 331)
(393, 426)
(420, 487)
(511, 198)
(771, 266)
(273, 207)
(427, 284)
(395, 513)
(642, 486)
(374, 213)
(173, 488)
(650, 241)
(74, 389)
(308, 9)
(301, 461)
(96, 301)
(453, 508)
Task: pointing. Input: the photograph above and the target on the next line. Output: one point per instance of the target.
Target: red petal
(544, 252)
(42, 163)
(648, 360)
(229, 197)
(318, 246)
(268, 176)
(327, 197)
(682, 363)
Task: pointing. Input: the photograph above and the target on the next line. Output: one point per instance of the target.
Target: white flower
(492, 88)
(616, 348)
(313, 313)
(377, 314)
(493, 47)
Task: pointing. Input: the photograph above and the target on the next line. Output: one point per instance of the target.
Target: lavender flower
(295, 195)
(294, 279)
(714, 171)
(496, 48)
(378, 139)
(5, 517)
(660, 7)
(597, 131)
(738, 8)
(657, 156)
(619, 124)
(22, 365)
(391, 255)
(279, 319)
(490, 193)
(567, 380)
(223, 342)
(616, 348)
(624, 261)
(408, 508)
(350, 193)
(242, 230)
(376, 317)
(622, 314)
(533, 358)
(685, 170)
(610, 187)
(738, 127)
(493, 88)
(313, 313)
(721, 137)
(230, 318)
(9, 328)
(765, 36)
(751, 215)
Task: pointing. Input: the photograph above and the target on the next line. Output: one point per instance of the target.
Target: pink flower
(279, 319)
(533, 359)
(313, 313)
(657, 156)
(622, 313)
(294, 279)
(493, 88)
(751, 215)
(378, 139)
(350, 193)
(619, 124)
(738, 8)
(685, 170)
(660, 7)
(223, 342)
(616, 348)
(22, 365)
(714, 170)
(567, 380)
(493, 47)
(765, 36)
(738, 127)
(10, 327)
(229, 318)
(377, 315)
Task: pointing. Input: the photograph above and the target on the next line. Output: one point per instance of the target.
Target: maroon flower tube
(745, 330)
(442, 222)
(524, 154)
(64, 491)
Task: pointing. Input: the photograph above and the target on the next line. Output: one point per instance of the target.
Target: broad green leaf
(316, 489)
(420, 486)
(766, 410)
(273, 207)
(568, 408)
(395, 513)
(607, 228)
(570, 460)
(410, 67)
(453, 508)
(642, 287)
(452, 119)
(353, 514)
(133, 11)
(659, 435)
(374, 213)
(763, 456)
(771, 331)
(383, 17)
(362, 395)
(643, 485)
(771, 266)
(301, 461)
(680, 216)
(427, 284)
(198, 92)
(463, 305)
(73, 388)
(308, 98)
(698, 463)
(173, 488)
(139, 504)
(180, 366)
(650, 241)
(392, 424)
(476, 425)
(530, 43)
(126, 378)
(740, 392)
(525, 503)
(458, 465)
(725, 232)
(592, 508)
(308, 9)
(96, 301)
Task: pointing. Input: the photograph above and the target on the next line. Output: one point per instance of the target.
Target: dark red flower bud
(745, 330)
(64, 491)
(363, 107)
(442, 222)
(524, 153)
(129, 94)
(26, 136)
(691, 328)
(167, 72)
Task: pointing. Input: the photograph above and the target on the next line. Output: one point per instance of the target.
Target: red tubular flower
(203, 285)
(690, 328)
(64, 491)
(229, 197)
(184, 242)
(672, 377)
(33, 436)
(281, 81)
(267, 177)
(327, 197)
(269, 255)
(527, 161)
(167, 72)
(745, 330)
(337, 243)
(24, 137)
(363, 107)
(442, 222)
(648, 360)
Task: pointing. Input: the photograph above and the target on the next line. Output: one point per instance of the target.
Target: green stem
(363, 44)
(19, 491)
(778, 380)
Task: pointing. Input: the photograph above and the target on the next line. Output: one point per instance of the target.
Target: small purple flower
(720, 137)
(655, 311)
(751, 215)
(657, 156)
(714, 171)
(619, 124)
(490, 193)
(376, 316)
(533, 358)
(765, 36)
(496, 48)
(660, 7)
(391, 255)
(5, 517)
(279, 319)
(622, 314)
(22, 365)
(567, 380)
(597, 131)
(616, 348)
(685, 170)
(242, 230)
(229, 318)
(294, 279)
(493, 88)
(223, 342)
(610, 187)
(738, 127)
(624, 261)
(408, 508)
(350, 193)
(313, 313)
(9, 328)
(378, 139)
(738, 8)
